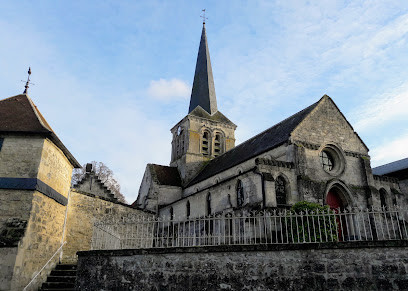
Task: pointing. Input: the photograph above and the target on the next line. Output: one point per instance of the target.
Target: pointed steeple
(203, 92)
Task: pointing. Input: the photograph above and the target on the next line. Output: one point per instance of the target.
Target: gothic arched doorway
(335, 199)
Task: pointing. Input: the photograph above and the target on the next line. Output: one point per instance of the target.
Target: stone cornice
(385, 179)
(275, 163)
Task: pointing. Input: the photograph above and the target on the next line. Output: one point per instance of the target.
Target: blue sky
(112, 77)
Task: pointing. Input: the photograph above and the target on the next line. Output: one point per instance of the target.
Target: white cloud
(167, 90)
(390, 151)
(380, 109)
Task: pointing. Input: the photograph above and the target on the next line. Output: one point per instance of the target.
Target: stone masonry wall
(342, 266)
(83, 211)
(325, 124)
(55, 170)
(42, 239)
(8, 258)
(20, 156)
(14, 204)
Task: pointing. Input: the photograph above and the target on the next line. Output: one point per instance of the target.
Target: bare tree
(105, 174)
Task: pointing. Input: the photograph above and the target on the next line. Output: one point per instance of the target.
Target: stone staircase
(61, 278)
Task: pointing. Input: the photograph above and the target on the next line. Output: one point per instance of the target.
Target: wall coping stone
(247, 248)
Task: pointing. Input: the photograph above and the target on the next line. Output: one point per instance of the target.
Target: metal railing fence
(265, 227)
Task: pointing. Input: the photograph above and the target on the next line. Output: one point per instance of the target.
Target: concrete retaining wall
(347, 266)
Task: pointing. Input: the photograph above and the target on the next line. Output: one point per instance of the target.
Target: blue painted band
(32, 184)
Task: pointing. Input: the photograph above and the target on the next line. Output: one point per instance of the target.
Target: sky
(113, 77)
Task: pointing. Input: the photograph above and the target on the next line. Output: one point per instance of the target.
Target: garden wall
(349, 266)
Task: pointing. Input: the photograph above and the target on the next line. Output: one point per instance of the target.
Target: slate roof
(218, 116)
(266, 140)
(396, 168)
(203, 91)
(166, 175)
(18, 114)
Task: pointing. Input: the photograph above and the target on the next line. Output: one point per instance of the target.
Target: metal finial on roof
(203, 16)
(28, 81)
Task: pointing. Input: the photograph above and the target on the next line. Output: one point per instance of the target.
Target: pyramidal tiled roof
(266, 140)
(203, 92)
(18, 114)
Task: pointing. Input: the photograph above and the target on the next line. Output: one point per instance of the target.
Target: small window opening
(171, 213)
(182, 142)
(383, 200)
(394, 201)
(209, 204)
(280, 190)
(217, 145)
(326, 160)
(188, 209)
(204, 147)
(240, 194)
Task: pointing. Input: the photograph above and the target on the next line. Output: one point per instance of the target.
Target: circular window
(332, 160)
(327, 161)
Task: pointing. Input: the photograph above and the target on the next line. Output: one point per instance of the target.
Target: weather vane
(28, 81)
(203, 16)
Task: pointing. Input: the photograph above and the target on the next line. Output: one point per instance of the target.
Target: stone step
(61, 279)
(57, 285)
(63, 273)
(66, 267)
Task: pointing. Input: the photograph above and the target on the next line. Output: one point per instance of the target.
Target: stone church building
(313, 155)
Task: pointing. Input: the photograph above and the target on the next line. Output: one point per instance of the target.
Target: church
(314, 155)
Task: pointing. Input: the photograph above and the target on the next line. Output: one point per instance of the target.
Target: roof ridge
(248, 141)
(37, 113)
(255, 136)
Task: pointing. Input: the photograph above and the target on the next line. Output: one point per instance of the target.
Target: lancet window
(188, 210)
(205, 144)
(217, 145)
(383, 197)
(280, 190)
(171, 213)
(240, 193)
(208, 202)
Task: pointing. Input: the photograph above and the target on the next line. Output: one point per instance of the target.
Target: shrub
(311, 222)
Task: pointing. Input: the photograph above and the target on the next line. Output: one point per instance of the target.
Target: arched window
(240, 194)
(181, 137)
(188, 209)
(217, 145)
(383, 197)
(171, 213)
(394, 200)
(204, 143)
(208, 204)
(280, 190)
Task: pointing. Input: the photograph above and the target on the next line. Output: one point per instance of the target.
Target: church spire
(203, 92)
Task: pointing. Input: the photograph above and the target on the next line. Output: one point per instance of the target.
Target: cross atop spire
(203, 92)
(203, 16)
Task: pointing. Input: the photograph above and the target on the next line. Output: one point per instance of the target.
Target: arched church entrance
(336, 200)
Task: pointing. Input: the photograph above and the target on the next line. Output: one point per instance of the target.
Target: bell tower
(205, 133)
